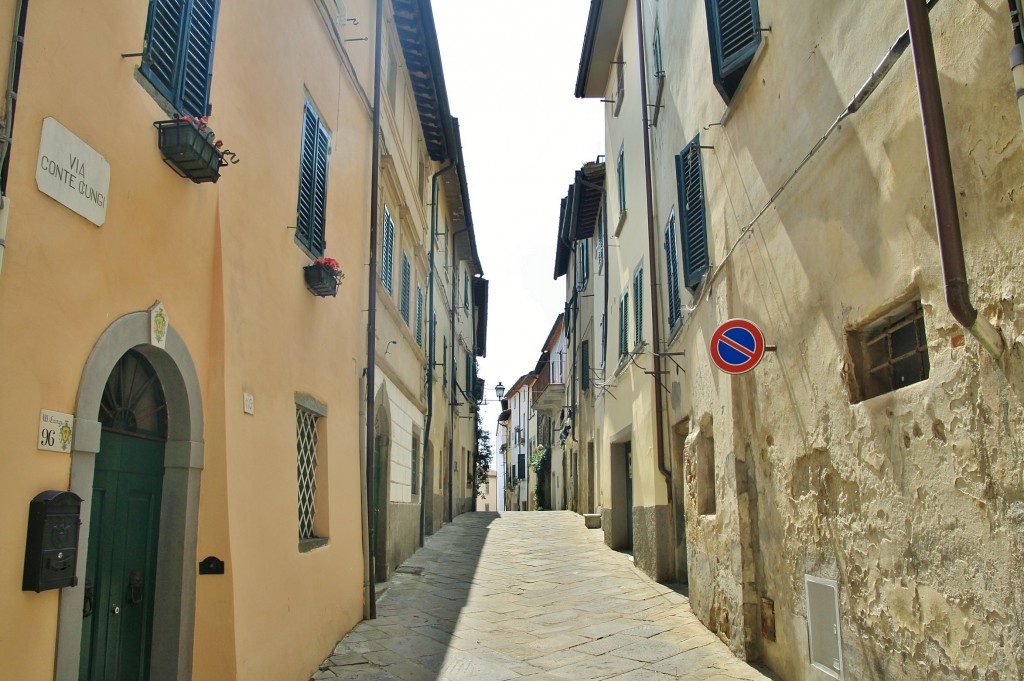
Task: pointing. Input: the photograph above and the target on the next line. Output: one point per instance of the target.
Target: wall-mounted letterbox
(51, 549)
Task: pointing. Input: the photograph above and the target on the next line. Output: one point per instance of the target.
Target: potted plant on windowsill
(323, 276)
(191, 149)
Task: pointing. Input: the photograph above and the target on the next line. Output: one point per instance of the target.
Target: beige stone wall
(908, 499)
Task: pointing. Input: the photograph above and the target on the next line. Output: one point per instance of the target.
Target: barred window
(888, 353)
(305, 445)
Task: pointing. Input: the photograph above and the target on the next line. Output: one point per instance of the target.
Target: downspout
(370, 607)
(947, 218)
(652, 255)
(1017, 57)
(431, 340)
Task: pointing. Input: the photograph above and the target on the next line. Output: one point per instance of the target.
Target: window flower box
(323, 276)
(190, 150)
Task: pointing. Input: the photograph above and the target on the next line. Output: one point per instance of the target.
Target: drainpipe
(947, 218)
(371, 329)
(652, 255)
(1017, 57)
(431, 340)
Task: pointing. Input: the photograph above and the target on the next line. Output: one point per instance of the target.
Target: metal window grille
(675, 305)
(406, 286)
(387, 260)
(638, 306)
(305, 445)
(419, 315)
(890, 353)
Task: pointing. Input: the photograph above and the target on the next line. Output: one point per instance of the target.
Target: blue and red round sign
(737, 346)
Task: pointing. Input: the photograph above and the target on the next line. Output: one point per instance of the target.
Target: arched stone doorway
(173, 595)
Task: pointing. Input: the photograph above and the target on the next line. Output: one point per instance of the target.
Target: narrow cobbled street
(528, 596)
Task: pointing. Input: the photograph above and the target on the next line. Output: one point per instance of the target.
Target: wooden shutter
(313, 183)
(624, 324)
(419, 315)
(585, 365)
(734, 34)
(692, 219)
(163, 47)
(197, 67)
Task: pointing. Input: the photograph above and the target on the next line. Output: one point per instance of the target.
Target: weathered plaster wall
(910, 500)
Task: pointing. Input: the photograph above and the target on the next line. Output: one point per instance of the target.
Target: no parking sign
(737, 346)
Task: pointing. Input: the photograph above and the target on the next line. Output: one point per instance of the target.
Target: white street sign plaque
(72, 173)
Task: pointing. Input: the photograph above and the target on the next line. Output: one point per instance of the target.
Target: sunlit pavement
(528, 596)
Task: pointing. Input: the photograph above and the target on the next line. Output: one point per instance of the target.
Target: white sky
(510, 69)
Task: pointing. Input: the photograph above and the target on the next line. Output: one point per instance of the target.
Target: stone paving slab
(528, 595)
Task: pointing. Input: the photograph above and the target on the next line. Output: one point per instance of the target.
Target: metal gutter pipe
(652, 255)
(431, 340)
(1017, 57)
(371, 327)
(947, 218)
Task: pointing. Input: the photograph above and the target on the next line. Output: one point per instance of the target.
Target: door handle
(115, 609)
(135, 587)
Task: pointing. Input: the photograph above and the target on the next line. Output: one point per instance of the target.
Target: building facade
(842, 510)
(188, 371)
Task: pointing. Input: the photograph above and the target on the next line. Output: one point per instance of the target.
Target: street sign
(737, 346)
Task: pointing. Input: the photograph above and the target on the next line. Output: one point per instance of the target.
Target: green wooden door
(121, 568)
(629, 495)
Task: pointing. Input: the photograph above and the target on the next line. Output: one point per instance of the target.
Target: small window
(638, 305)
(602, 227)
(888, 353)
(387, 256)
(419, 315)
(675, 305)
(521, 468)
(585, 365)
(415, 461)
(178, 52)
(406, 286)
(704, 453)
(623, 324)
(620, 175)
(582, 267)
(620, 79)
(692, 218)
(310, 477)
(734, 32)
(312, 208)
(465, 290)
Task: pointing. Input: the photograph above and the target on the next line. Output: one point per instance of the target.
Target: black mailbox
(51, 550)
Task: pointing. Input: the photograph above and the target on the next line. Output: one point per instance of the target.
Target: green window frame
(734, 34)
(178, 52)
(693, 227)
(311, 217)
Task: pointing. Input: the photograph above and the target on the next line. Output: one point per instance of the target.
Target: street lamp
(499, 390)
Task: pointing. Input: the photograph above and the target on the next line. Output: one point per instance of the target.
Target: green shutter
(313, 161)
(624, 324)
(620, 172)
(734, 33)
(692, 218)
(178, 57)
(585, 365)
(406, 286)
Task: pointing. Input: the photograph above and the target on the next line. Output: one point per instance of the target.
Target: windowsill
(311, 544)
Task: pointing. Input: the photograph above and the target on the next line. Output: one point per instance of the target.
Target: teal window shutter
(692, 218)
(312, 208)
(178, 52)
(419, 315)
(734, 32)
(620, 174)
(406, 286)
(387, 258)
(638, 306)
(675, 306)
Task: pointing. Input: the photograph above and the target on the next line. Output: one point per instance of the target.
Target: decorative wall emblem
(55, 431)
(158, 324)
